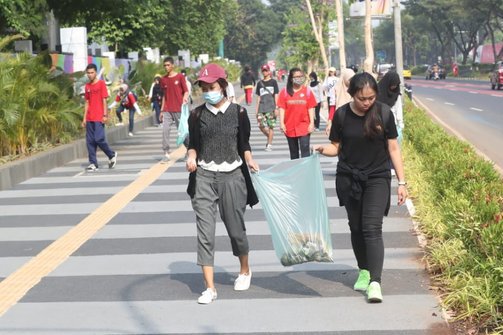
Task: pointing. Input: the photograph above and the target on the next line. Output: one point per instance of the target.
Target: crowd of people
(364, 126)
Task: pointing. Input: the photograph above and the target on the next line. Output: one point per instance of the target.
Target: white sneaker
(113, 161)
(242, 282)
(166, 157)
(119, 124)
(91, 168)
(207, 296)
(130, 134)
(268, 147)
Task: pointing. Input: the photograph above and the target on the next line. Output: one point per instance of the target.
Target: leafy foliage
(33, 110)
(459, 200)
(298, 45)
(22, 16)
(252, 30)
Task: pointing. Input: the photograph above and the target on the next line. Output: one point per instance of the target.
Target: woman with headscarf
(342, 94)
(126, 100)
(317, 90)
(389, 93)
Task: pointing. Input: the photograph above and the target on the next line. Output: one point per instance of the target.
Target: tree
(451, 22)
(252, 30)
(298, 45)
(369, 47)
(22, 16)
(318, 34)
(197, 25)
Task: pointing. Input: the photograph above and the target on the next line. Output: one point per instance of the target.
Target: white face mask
(213, 97)
(299, 81)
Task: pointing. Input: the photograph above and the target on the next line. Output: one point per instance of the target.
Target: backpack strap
(340, 114)
(385, 114)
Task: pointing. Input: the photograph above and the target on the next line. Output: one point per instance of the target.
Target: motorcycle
(436, 74)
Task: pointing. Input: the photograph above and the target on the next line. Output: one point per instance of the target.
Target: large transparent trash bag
(293, 198)
(183, 126)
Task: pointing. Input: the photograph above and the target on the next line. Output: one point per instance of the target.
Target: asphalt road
(468, 108)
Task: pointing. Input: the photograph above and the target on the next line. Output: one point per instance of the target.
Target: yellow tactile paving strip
(16, 285)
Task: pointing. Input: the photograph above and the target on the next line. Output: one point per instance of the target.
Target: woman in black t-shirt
(364, 136)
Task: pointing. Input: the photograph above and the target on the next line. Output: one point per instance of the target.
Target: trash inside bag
(293, 198)
(183, 126)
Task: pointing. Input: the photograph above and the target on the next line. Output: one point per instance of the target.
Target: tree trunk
(369, 49)
(318, 36)
(493, 42)
(340, 34)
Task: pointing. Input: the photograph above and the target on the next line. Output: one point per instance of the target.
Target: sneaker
(374, 292)
(207, 296)
(113, 161)
(166, 157)
(362, 283)
(268, 147)
(130, 134)
(119, 124)
(242, 282)
(91, 168)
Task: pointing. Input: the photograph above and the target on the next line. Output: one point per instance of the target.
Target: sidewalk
(138, 274)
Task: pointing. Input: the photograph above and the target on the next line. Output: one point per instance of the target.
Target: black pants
(296, 143)
(317, 116)
(365, 222)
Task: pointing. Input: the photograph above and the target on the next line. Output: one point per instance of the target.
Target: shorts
(267, 120)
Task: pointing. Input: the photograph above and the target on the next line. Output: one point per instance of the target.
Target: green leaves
(459, 201)
(33, 108)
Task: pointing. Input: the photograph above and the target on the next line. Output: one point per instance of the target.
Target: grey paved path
(138, 275)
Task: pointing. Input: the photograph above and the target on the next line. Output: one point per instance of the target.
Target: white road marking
(449, 103)
(430, 99)
(497, 96)
(473, 92)
(476, 109)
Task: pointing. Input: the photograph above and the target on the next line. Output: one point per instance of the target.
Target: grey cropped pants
(227, 192)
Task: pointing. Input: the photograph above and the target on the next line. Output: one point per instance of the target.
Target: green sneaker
(362, 283)
(374, 292)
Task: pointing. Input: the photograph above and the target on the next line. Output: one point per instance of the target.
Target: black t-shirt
(267, 87)
(358, 151)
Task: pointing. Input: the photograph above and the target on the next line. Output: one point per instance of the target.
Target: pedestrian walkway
(138, 275)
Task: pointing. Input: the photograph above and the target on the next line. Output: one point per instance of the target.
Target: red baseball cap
(265, 67)
(211, 73)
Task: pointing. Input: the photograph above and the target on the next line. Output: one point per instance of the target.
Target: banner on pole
(381, 9)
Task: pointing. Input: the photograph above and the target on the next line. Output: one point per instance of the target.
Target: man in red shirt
(175, 95)
(95, 117)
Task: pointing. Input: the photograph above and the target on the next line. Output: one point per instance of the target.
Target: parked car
(496, 76)
(407, 73)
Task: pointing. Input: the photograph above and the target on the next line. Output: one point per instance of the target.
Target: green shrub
(459, 201)
(35, 108)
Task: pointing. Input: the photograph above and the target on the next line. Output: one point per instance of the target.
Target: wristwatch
(404, 183)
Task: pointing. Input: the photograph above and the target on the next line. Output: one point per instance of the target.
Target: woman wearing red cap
(218, 158)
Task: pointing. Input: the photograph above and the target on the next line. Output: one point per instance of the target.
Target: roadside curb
(20, 170)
